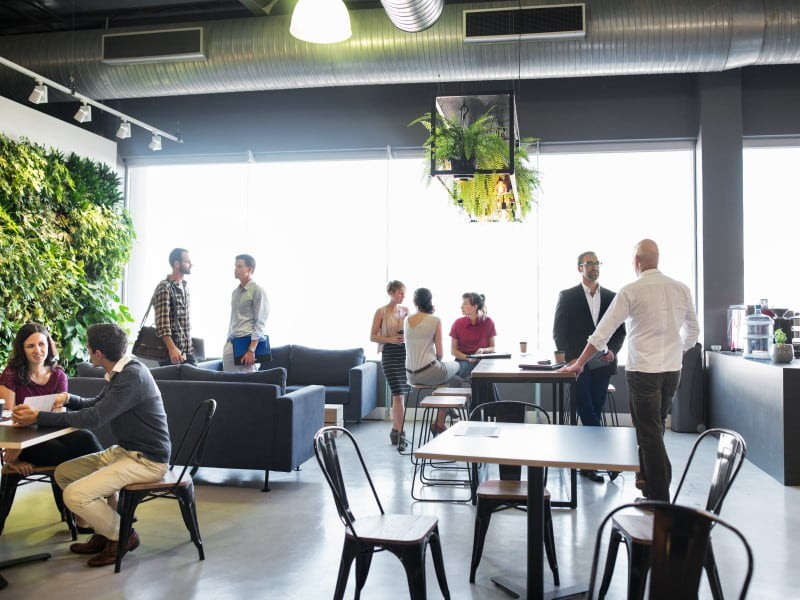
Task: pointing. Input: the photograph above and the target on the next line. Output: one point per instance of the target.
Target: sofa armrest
(298, 416)
(363, 391)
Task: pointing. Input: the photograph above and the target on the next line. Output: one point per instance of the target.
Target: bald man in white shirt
(661, 322)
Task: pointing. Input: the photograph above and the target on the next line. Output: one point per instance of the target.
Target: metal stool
(432, 405)
(418, 388)
(611, 405)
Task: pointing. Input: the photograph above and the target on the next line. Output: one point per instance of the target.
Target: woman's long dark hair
(423, 299)
(19, 362)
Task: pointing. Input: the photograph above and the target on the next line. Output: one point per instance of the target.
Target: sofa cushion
(337, 394)
(167, 373)
(323, 367)
(272, 376)
(280, 356)
(86, 369)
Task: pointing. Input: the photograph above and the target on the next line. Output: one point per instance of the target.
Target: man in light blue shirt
(249, 312)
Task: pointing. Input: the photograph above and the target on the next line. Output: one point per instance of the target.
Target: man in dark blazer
(578, 311)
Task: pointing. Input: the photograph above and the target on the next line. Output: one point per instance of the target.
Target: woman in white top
(424, 351)
(387, 331)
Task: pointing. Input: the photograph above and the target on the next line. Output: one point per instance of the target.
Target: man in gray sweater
(131, 404)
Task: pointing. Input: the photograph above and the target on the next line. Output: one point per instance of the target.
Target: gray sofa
(259, 423)
(348, 380)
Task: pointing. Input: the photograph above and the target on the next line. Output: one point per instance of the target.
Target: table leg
(13, 562)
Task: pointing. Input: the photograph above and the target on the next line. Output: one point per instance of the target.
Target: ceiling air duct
(413, 16)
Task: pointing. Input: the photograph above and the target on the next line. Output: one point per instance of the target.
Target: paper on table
(480, 430)
(41, 402)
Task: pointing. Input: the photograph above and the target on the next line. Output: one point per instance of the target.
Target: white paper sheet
(41, 402)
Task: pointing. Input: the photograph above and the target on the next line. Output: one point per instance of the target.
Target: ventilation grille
(153, 46)
(562, 21)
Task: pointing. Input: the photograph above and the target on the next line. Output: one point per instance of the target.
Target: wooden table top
(24, 437)
(612, 448)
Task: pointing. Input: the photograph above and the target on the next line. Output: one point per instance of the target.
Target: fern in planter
(481, 144)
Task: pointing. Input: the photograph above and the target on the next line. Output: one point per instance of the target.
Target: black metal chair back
(681, 537)
(509, 411)
(327, 454)
(190, 450)
(731, 450)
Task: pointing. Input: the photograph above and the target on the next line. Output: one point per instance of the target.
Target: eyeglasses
(590, 264)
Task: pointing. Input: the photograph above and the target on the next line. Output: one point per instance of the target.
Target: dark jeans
(651, 398)
(54, 452)
(591, 392)
(465, 369)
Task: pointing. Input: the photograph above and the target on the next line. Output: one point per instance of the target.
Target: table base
(13, 562)
(517, 591)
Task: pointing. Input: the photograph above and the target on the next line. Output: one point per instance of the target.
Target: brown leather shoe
(109, 554)
(93, 545)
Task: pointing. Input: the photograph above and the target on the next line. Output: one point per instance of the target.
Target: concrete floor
(285, 544)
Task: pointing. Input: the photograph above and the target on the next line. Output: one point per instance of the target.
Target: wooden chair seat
(400, 529)
(169, 480)
(506, 489)
(453, 391)
(444, 402)
(7, 470)
(637, 523)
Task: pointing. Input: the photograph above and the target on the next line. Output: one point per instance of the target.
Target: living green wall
(64, 238)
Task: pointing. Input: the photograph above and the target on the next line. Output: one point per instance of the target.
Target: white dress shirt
(660, 319)
(594, 302)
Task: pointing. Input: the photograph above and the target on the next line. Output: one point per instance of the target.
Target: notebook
(538, 367)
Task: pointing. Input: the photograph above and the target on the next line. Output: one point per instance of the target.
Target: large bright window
(328, 234)
(770, 204)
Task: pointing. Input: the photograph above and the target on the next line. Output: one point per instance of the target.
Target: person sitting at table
(474, 333)
(424, 352)
(131, 404)
(33, 371)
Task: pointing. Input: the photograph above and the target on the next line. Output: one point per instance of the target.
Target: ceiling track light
(84, 114)
(124, 130)
(155, 143)
(39, 93)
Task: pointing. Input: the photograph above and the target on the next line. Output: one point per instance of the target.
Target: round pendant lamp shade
(320, 21)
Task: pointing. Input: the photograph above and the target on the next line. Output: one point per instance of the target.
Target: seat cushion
(167, 373)
(272, 376)
(323, 367)
(337, 394)
(280, 357)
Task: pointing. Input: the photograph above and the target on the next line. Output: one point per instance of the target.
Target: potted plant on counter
(781, 351)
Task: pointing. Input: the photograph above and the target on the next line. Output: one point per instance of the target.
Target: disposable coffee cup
(523, 347)
(560, 356)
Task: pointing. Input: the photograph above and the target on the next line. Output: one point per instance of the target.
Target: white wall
(18, 120)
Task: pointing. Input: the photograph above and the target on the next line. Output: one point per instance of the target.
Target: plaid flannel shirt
(172, 313)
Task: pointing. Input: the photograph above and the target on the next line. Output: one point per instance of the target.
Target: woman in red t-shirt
(474, 333)
(32, 371)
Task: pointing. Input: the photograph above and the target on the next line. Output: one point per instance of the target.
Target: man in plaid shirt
(171, 303)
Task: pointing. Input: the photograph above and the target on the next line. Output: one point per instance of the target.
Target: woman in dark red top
(32, 371)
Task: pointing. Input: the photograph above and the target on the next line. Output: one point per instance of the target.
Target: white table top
(612, 448)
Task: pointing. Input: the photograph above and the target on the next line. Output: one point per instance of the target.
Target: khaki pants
(88, 480)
